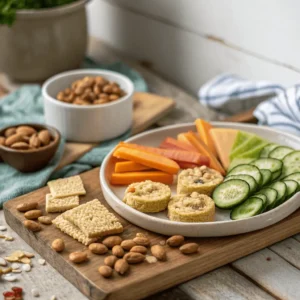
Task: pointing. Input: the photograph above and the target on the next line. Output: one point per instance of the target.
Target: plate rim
(166, 222)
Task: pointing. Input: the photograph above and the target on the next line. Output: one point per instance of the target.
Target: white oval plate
(223, 225)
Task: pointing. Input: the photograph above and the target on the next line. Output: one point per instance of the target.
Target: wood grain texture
(143, 279)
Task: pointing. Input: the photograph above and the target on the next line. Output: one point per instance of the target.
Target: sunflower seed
(26, 267)
(41, 261)
(9, 277)
(15, 266)
(28, 254)
(9, 238)
(35, 293)
(3, 262)
(17, 271)
(53, 297)
(3, 228)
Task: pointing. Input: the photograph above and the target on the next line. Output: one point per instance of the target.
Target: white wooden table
(272, 273)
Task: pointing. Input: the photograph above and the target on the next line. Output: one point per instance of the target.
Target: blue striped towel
(230, 94)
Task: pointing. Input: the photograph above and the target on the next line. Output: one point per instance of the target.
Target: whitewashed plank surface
(181, 56)
(271, 272)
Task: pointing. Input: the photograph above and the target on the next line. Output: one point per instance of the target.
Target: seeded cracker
(60, 204)
(66, 187)
(72, 230)
(93, 219)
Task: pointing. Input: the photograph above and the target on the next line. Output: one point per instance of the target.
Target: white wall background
(190, 41)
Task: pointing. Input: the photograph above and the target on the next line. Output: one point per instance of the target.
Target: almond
(78, 257)
(189, 248)
(134, 257)
(117, 251)
(58, 245)
(105, 271)
(14, 139)
(2, 140)
(44, 136)
(32, 226)
(26, 130)
(110, 260)
(159, 252)
(27, 206)
(139, 249)
(10, 131)
(98, 248)
(128, 244)
(34, 141)
(20, 146)
(45, 220)
(33, 214)
(111, 241)
(142, 241)
(121, 266)
(175, 240)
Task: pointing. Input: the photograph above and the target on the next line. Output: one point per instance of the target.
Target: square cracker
(66, 187)
(60, 204)
(94, 219)
(72, 230)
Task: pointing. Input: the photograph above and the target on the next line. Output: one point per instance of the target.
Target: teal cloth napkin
(26, 105)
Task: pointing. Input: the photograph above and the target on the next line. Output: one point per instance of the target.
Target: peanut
(189, 248)
(121, 266)
(100, 101)
(175, 240)
(23, 207)
(128, 244)
(34, 141)
(159, 252)
(134, 257)
(45, 220)
(2, 140)
(26, 130)
(98, 248)
(33, 214)
(107, 89)
(118, 251)
(44, 136)
(58, 245)
(110, 260)
(113, 97)
(139, 249)
(142, 241)
(105, 271)
(20, 146)
(111, 241)
(10, 131)
(32, 226)
(104, 96)
(14, 139)
(78, 257)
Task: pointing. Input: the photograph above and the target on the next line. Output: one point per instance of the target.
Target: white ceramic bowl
(88, 123)
(223, 225)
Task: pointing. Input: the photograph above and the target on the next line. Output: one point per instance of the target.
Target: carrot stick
(131, 177)
(185, 165)
(183, 139)
(203, 129)
(177, 155)
(129, 166)
(178, 144)
(151, 160)
(196, 141)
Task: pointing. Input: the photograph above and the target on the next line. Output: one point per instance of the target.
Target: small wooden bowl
(33, 159)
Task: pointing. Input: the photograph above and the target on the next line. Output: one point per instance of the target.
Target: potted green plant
(39, 38)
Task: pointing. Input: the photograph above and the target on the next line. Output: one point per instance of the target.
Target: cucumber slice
(276, 175)
(271, 196)
(247, 170)
(251, 207)
(231, 193)
(239, 161)
(263, 198)
(281, 189)
(280, 152)
(291, 163)
(292, 187)
(249, 179)
(265, 152)
(294, 176)
(267, 176)
(272, 164)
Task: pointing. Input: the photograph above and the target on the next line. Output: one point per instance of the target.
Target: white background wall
(190, 41)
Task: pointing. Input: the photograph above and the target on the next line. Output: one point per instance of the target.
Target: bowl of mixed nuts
(89, 105)
(28, 147)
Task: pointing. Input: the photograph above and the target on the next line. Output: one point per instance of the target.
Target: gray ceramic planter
(44, 42)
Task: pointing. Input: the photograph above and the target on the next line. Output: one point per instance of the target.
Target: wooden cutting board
(143, 279)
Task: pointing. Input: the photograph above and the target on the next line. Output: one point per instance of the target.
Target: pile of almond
(25, 138)
(91, 90)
